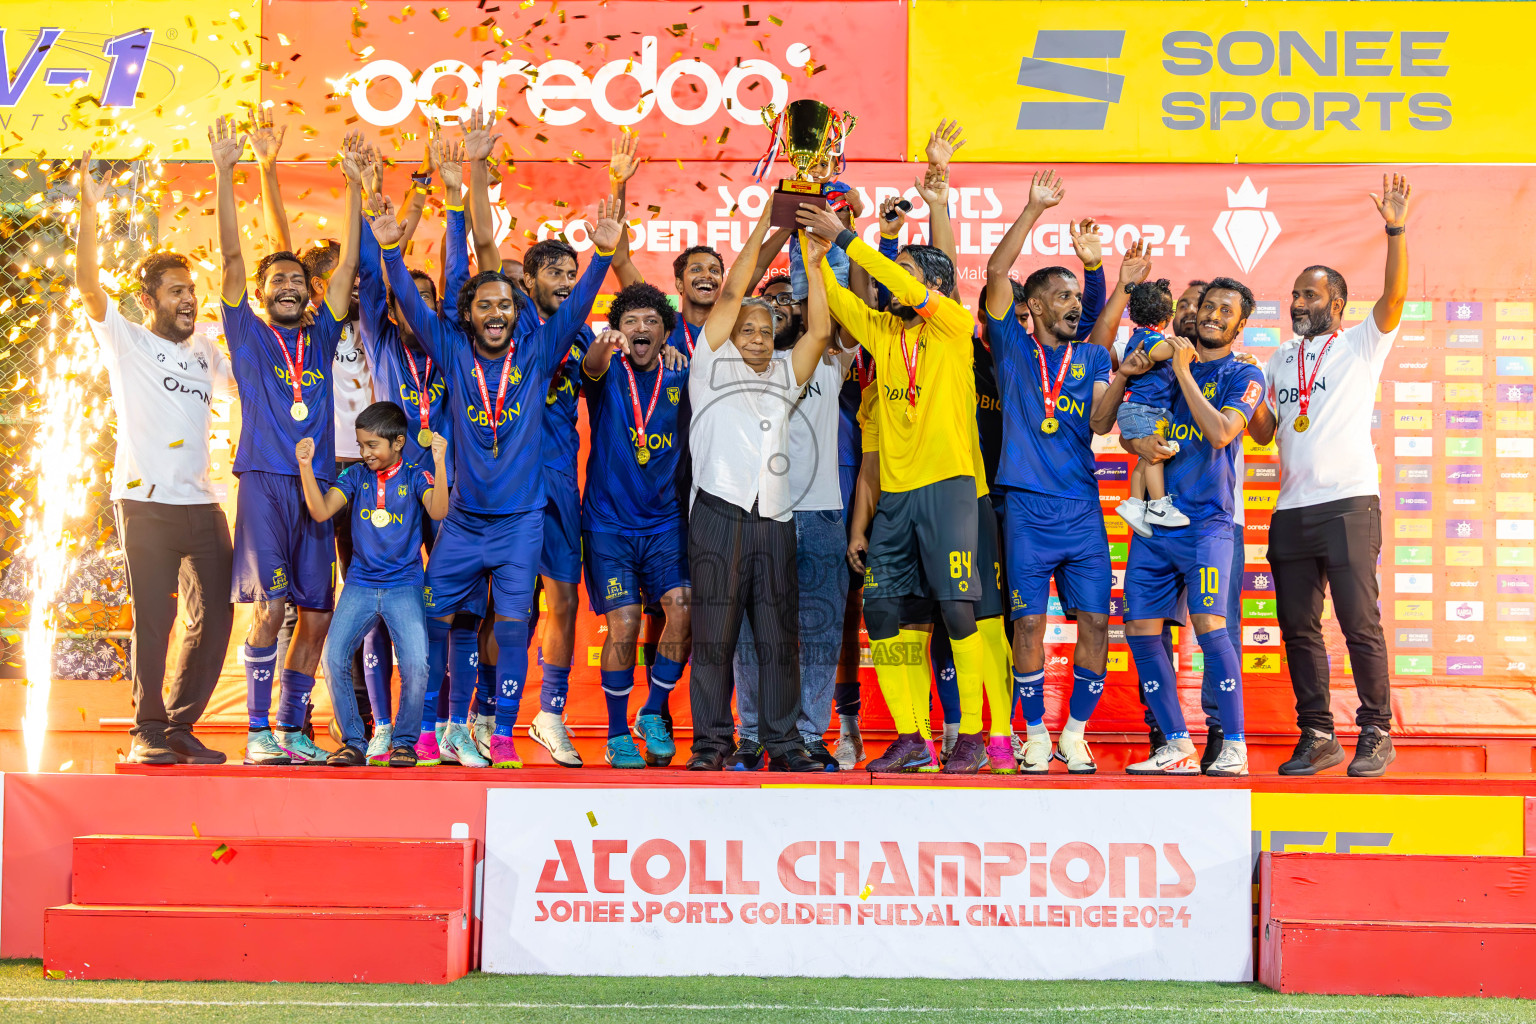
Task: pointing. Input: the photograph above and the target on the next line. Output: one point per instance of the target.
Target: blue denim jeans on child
(799, 288)
(404, 614)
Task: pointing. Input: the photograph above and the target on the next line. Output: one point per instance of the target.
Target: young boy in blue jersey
(1145, 410)
(283, 371)
(632, 524)
(498, 376)
(387, 495)
(1217, 395)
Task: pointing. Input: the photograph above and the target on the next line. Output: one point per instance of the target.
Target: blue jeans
(821, 543)
(799, 287)
(404, 614)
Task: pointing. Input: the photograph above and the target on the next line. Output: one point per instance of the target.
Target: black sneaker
(794, 760)
(822, 756)
(192, 750)
(747, 757)
(402, 757)
(1314, 752)
(1156, 738)
(1373, 753)
(348, 757)
(152, 750)
(1213, 742)
(706, 761)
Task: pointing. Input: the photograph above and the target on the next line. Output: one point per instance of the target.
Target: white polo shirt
(351, 390)
(1334, 458)
(739, 432)
(814, 484)
(162, 399)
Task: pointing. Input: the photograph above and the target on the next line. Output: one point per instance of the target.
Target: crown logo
(1246, 229)
(1247, 197)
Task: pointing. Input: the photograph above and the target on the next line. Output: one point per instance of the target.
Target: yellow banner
(123, 77)
(1492, 826)
(1224, 81)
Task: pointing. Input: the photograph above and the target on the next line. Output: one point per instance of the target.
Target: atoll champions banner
(1153, 884)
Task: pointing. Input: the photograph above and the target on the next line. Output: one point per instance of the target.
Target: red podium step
(162, 908)
(1363, 924)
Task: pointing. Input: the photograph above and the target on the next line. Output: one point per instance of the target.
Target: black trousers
(175, 549)
(1335, 544)
(743, 564)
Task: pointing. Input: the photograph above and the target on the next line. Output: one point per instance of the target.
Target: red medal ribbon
(501, 392)
(421, 380)
(1052, 392)
(910, 361)
(688, 338)
(294, 363)
(1303, 383)
(641, 422)
(866, 368)
(380, 479)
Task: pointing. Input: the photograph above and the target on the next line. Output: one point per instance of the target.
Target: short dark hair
(1037, 282)
(1231, 285)
(551, 250)
(279, 257)
(422, 275)
(1337, 289)
(321, 257)
(1197, 284)
(936, 266)
(151, 270)
(467, 294)
(763, 288)
(681, 263)
(1020, 295)
(1151, 303)
(642, 296)
(385, 419)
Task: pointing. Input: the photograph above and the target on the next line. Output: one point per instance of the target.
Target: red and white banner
(946, 883)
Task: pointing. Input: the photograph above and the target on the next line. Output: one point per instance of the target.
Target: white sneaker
(378, 747)
(300, 747)
(480, 729)
(1163, 512)
(1018, 748)
(1232, 762)
(548, 730)
(458, 745)
(1176, 757)
(1035, 758)
(850, 745)
(1072, 751)
(1134, 512)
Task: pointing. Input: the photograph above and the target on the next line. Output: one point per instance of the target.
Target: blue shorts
(1137, 420)
(1188, 565)
(623, 569)
(1049, 537)
(471, 547)
(560, 558)
(281, 553)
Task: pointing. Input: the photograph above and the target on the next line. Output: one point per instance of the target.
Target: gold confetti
(223, 854)
(177, 443)
(440, 13)
(195, 832)
(592, 818)
(66, 766)
(54, 975)
(865, 892)
(134, 483)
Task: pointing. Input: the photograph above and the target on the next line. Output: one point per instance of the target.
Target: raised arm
(722, 318)
(321, 506)
(422, 318)
(476, 151)
(227, 144)
(573, 312)
(1090, 250)
(818, 321)
(436, 500)
(600, 353)
(934, 188)
(1045, 191)
(266, 141)
(1392, 204)
(622, 166)
(87, 263)
(766, 255)
(1135, 265)
(372, 300)
(355, 158)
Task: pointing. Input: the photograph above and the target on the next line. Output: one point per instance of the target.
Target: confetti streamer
(592, 818)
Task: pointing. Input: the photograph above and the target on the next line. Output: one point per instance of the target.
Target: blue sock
(845, 698)
(1087, 688)
(1224, 676)
(617, 686)
(664, 676)
(295, 699)
(944, 676)
(1159, 684)
(378, 666)
(1030, 690)
(511, 672)
(437, 668)
(259, 665)
(557, 683)
(464, 655)
(485, 688)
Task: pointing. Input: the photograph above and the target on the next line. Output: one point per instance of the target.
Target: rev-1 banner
(982, 883)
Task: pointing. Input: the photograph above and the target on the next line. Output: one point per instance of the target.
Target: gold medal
(424, 437)
(642, 455)
(911, 414)
(549, 399)
(1302, 423)
(299, 411)
(379, 517)
(1049, 425)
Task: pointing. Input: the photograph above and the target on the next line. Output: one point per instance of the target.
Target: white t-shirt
(813, 474)
(739, 432)
(162, 399)
(1334, 457)
(352, 390)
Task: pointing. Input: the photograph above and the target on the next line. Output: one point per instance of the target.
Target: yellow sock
(890, 658)
(919, 678)
(970, 669)
(997, 681)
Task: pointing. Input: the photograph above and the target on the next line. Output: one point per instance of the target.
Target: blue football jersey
(268, 431)
(1156, 386)
(623, 496)
(1200, 478)
(389, 555)
(561, 442)
(1058, 464)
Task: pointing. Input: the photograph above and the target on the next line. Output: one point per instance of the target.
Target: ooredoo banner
(1153, 884)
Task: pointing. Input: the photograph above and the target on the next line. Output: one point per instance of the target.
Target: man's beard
(1310, 324)
(902, 312)
(1187, 331)
(786, 336)
(165, 325)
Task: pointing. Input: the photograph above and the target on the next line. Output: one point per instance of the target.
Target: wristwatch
(1397, 230)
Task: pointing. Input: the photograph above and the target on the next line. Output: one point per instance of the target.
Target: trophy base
(788, 197)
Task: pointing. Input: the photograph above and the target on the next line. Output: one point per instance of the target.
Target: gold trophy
(812, 137)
